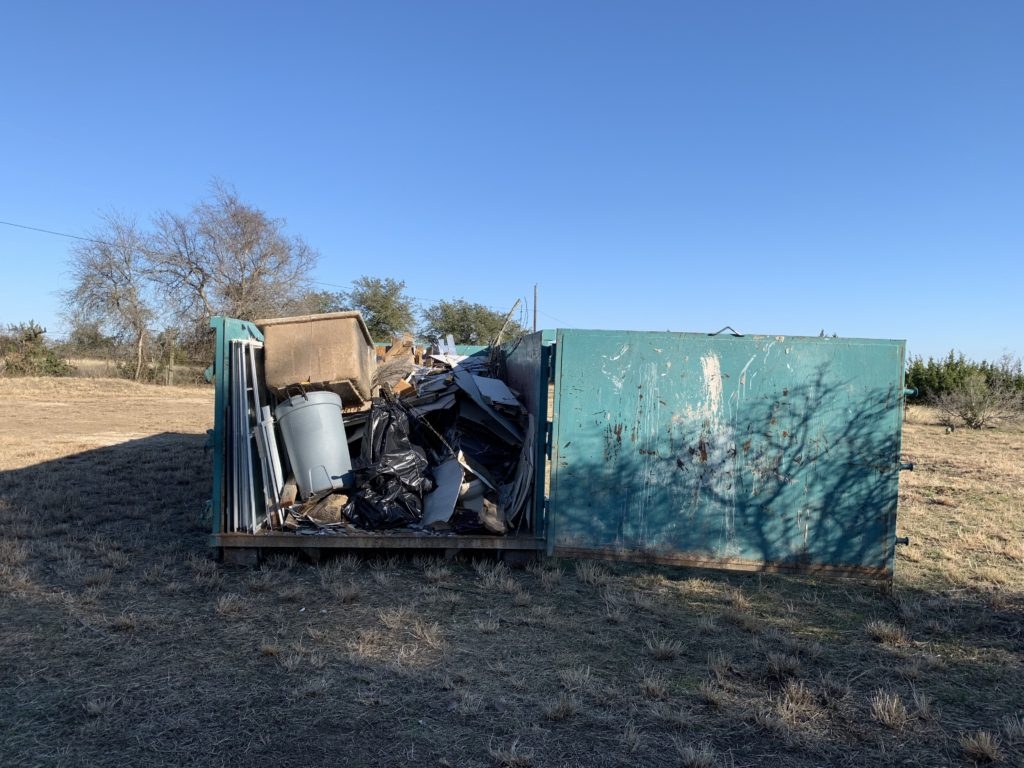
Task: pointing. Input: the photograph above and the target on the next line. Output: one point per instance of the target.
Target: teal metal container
(734, 452)
(754, 452)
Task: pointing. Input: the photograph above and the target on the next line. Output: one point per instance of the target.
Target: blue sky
(780, 167)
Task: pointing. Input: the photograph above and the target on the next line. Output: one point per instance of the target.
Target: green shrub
(24, 352)
(967, 393)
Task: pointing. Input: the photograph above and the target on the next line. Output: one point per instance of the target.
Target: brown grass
(562, 708)
(124, 642)
(699, 756)
(982, 746)
(888, 709)
(662, 648)
(962, 505)
(886, 632)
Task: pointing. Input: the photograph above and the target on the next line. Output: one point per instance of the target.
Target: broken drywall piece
(496, 392)
(477, 469)
(491, 418)
(471, 495)
(419, 409)
(439, 504)
(449, 360)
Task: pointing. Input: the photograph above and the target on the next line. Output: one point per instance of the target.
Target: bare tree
(110, 288)
(222, 257)
(179, 266)
(227, 257)
(316, 303)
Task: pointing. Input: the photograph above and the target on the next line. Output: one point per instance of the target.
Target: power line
(556, 319)
(52, 232)
(148, 252)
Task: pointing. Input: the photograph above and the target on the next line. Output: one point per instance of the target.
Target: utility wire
(147, 252)
(52, 232)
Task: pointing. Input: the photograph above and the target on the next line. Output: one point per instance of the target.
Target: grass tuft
(155, 574)
(886, 632)
(632, 737)
(833, 691)
(98, 706)
(436, 574)
(734, 597)
(575, 679)
(116, 559)
(781, 666)
(711, 693)
(981, 746)
(348, 563)
(428, 633)
(743, 619)
(395, 618)
(269, 648)
(125, 622)
(1012, 727)
(796, 695)
(662, 648)
(888, 709)
(512, 756)
(592, 573)
(550, 578)
(13, 553)
(707, 625)
(720, 664)
(488, 626)
(521, 598)
(562, 708)
(347, 592)
(654, 686)
(231, 606)
(699, 756)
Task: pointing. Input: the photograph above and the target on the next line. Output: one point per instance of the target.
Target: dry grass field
(123, 643)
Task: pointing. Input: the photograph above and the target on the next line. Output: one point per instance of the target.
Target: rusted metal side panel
(741, 452)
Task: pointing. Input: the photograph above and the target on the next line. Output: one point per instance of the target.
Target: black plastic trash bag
(394, 508)
(391, 473)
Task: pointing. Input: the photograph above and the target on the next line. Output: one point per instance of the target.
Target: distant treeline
(935, 378)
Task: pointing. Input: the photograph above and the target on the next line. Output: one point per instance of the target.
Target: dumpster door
(751, 453)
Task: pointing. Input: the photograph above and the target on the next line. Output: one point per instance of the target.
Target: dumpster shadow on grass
(118, 647)
(147, 494)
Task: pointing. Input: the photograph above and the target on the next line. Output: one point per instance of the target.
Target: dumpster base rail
(245, 548)
(722, 564)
